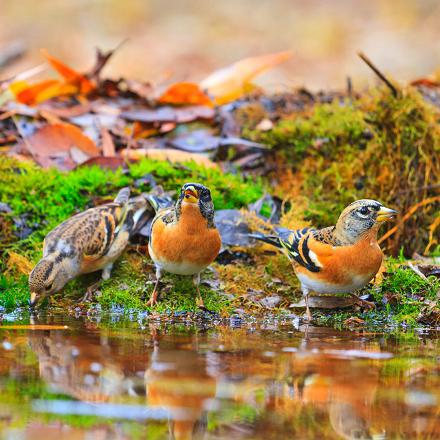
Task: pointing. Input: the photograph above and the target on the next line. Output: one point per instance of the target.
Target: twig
(408, 215)
(416, 270)
(102, 59)
(5, 83)
(369, 63)
(349, 87)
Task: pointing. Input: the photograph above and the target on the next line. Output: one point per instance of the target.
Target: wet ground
(111, 377)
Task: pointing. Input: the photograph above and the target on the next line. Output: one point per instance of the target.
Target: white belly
(321, 287)
(179, 268)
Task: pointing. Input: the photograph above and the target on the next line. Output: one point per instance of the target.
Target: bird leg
(362, 303)
(306, 292)
(153, 298)
(107, 271)
(199, 299)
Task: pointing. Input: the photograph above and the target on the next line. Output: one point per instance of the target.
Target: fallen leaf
(229, 83)
(184, 93)
(354, 321)
(169, 154)
(326, 302)
(169, 114)
(70, 75)
(142, 130)
(107, 144)
(56, 140)
(20, 263)
(27, 94)
(67, 112)
(202, 140)
(425, 82)
(111, 163)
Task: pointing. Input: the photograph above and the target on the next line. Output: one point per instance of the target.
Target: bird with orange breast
(337, 259)
(183, 238)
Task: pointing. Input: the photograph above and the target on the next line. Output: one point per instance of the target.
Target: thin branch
(370, 64)
(408, 215)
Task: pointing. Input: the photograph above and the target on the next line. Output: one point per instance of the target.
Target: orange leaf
(58, 139)
(70, 75)
(230, 83)
(28, 95)
(58, 89)
(185, 93)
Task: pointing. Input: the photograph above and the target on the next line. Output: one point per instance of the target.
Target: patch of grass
(318, 132)
(405, 295)
(13, 292)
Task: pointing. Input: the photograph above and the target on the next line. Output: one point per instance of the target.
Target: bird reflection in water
(178, 380)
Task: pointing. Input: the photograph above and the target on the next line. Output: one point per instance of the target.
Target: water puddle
(76, 378)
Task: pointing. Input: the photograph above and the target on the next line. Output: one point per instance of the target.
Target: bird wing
(296, 244)
(89, 234)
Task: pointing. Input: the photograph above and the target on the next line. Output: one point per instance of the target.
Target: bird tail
(159, 201)
(270, 239)
(123, 196)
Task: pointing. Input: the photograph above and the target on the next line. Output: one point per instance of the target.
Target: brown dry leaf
(34, 327)
(378, 278)
(58, 139)
(425, 82)
(326, 302)
(185, 93)
(230, 83)
(354, 321)
(143, 130)
(111, 163)
(19, 263)
(107, 144)
(67, 112)
(169, 154)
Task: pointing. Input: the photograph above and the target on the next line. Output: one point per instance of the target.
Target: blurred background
(188, 39)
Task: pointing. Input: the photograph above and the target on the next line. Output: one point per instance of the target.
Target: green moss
(404, 294)
(13, 292)
(318, 133)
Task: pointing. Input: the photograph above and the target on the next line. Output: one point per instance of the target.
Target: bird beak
(385, 214)
(191, 195)
(34, 299)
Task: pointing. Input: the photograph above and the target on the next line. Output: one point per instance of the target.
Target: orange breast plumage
(186, 246)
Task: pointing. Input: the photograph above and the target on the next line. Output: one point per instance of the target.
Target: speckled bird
(337, 259)
(183, 238)
(87, 242)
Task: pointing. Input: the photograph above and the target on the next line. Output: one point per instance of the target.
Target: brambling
(89, 241)
(183, 238)
(336, 259)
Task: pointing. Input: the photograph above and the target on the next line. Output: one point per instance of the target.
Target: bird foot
(153, 299)
(90, 292)
(200, 304)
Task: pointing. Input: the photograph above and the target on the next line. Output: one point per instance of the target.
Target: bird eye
(49, 287)
(364, 210)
